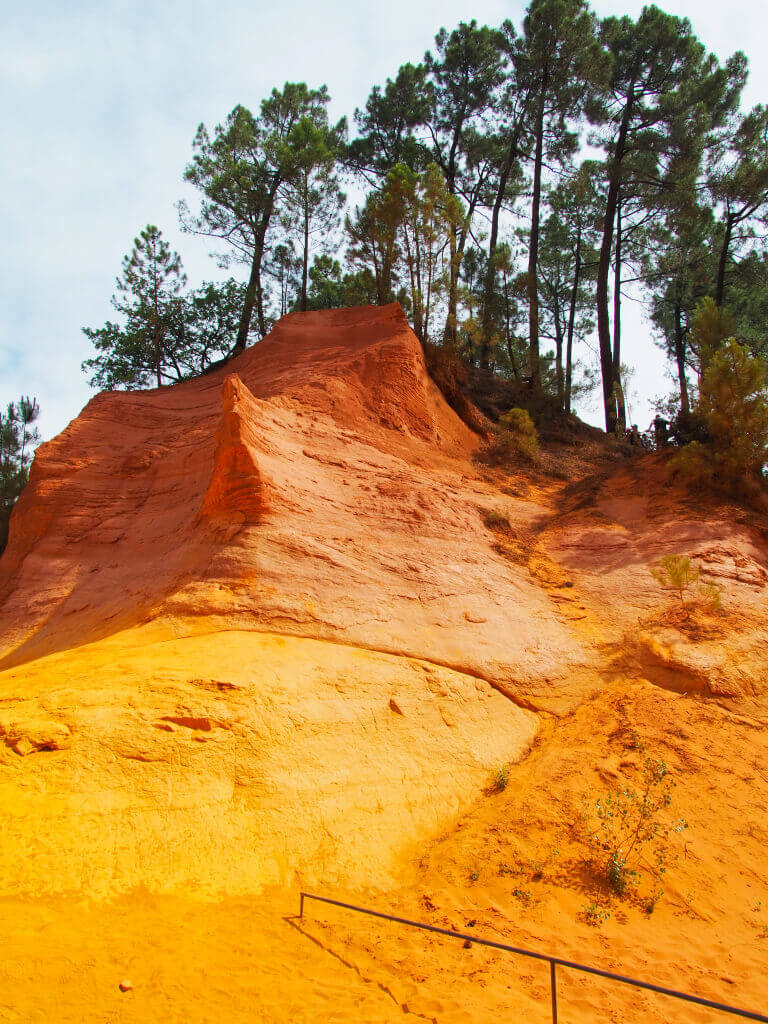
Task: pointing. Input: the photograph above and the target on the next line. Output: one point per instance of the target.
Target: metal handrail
(553, 961)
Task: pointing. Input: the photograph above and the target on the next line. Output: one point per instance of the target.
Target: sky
(99, 103)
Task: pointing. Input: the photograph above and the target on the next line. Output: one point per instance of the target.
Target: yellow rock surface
(224, 762)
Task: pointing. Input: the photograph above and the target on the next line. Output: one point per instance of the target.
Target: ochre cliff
(319, 486)
(283, 623)
(172, 566)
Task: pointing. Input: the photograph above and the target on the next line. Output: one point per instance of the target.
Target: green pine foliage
(251, 169)
(136, 348)
(678, 575)
(517, 435)
(18, 439)
(733, 406)
(476, 210)
(331, 288)
(162, 334)
(712, 324)
(426, 216)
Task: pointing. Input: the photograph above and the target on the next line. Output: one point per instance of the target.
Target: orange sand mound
(281, 626)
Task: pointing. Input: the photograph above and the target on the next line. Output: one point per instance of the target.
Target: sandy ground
(512, 870)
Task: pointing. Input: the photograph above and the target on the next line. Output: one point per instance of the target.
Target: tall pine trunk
(621, 412)
(490, 278)
(453, 290)
(604, 269)
(378, 274)
(685, 402)
(156, 301)
(723, 261)
(508, 332)
(572, 322)
(250, 301)
(559, 340)
(254, 295)
(493, 241)
(305, 259)
(157, 356)
(384, 288)
(533, 252)
(449, 334)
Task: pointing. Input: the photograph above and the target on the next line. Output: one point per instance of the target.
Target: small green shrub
(501, 779)
(517, 434)
(595, 915)
(733, 407)
(495, 520)
(627, 833)
(676, 573)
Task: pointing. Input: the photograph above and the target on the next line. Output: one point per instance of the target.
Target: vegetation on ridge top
(513, 184)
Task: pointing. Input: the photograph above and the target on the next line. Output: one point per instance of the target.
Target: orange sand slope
(280, 625)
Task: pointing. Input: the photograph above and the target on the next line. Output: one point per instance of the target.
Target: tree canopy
(510, 189)
(162, 334)
(18, 439)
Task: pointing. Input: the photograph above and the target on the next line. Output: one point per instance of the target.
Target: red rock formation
(236, 493)
(334, 499)
(178, 547)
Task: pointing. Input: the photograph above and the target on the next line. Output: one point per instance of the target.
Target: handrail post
(553, 961)
(553, 986)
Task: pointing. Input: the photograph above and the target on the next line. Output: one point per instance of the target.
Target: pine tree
(509, 143)
(206, 326)
(748, 300)
(678, 272)
(712, 325)
(664, 95)
(241, 170)
(373, 248)
(389, 126)
(313, 197)
(331, 288)
(18, 438)
(162, 333)
(466, 74)
(733, 403)
(283, 266)
(426, 215)
(557, 60)
(147, 299)
(567, 268)
(738, 184)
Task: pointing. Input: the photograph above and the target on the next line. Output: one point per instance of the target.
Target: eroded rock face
(26, 734)
(317, 489)
(278, 621)
(236, 493)
(318, 486)
(224, 762)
